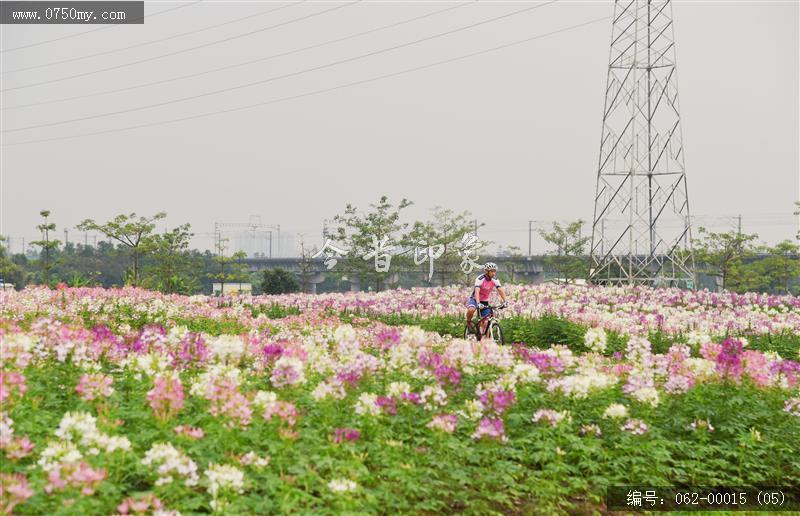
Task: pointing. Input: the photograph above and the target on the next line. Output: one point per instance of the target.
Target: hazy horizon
(523, 122)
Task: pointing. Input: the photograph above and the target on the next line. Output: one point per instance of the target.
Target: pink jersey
(486, 285)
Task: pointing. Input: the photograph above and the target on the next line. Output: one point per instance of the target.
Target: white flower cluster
(226, 348)
(264, 399)
(59, 452)
(288, 371)
(222, 477)
(579, 386)
(397, 389)
(203, 386)
(81, 428)
(696, 339)
(616, 411)
(171, 463)
(151, 364)
(331, 389)
(433, 396)
(473, 410)
(647, 395)
(367, 405)
(595, 339)
(342, 485)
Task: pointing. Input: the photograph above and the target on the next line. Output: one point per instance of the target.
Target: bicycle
(487, 325)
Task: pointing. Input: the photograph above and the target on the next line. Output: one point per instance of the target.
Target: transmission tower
(641, 232)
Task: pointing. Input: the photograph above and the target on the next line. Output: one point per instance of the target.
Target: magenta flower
(345, 434)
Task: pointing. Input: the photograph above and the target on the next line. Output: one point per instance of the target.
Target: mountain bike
(487, 325)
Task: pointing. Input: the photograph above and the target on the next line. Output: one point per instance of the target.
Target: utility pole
(739, 225)
(530, 228)
(66, 237)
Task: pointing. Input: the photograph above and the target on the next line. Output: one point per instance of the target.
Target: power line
(316, 92)
(183, 50)
(145, 43)
(104, 27)
(278, 77)
(257, 60)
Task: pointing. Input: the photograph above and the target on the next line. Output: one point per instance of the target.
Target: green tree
(444, 235)
(10, 272)
(278, 281)
(364, 233)
(133, 234)
(231, 269)
(721, 254)
(46, 246)
(306, 264)
(776, 273)
(568, 259)
(170, 270)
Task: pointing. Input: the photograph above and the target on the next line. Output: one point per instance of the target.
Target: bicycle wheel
(469, 335)
(496, 331)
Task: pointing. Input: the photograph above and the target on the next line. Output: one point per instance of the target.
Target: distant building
(232, 289)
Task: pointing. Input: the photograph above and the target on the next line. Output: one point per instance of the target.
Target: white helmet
(490, 266)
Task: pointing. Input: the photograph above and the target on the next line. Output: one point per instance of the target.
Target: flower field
(133, 402)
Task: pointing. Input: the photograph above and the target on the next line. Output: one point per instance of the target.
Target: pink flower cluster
(166, 397)
(444, 423)
(192, 432)
(229, 403)
(14, 490)
(490, 428)
(80, 475)
(94, 386)
(12, 384)
(142, 505)
(341, 435)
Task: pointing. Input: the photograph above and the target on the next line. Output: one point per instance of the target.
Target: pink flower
(166, 397)
(11, 381)
(192, 432)
(228, 402)
(444, 423)
(14, 490)
(635, 427)
(141, 505)
(18, 448)
(94, 386)
(491, 428)
(345, 434)
(80, 476)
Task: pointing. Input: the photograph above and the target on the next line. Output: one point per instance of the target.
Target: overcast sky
(510, 135)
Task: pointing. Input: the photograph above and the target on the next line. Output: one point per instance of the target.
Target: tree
(375, 231)
(775, 273)
(46, 246)
(797, 212)
(516, 254)
(568, 259)
(134, 234)
(278, 281)
(171, 262)
(306, 265)
(722, 253)
(444, 234)
(10, 272)
(235, 272)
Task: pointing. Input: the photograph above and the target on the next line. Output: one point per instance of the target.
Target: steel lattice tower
(641, 232)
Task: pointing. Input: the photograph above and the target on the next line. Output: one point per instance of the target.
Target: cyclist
(484, 284)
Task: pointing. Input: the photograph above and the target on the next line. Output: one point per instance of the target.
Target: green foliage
(170, 268)
(376, 230)
(133, 234)
(568, 260)
(722, 254)
(278, 281)
(46, 246)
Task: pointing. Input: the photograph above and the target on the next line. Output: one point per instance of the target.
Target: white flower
(328, 390)
(647, 395)
(397, 389)
(170, 463)
(226, 348)
(473, 410)
(367, 405)
(433, 396)
(341, 485)
(616, 411)
(224, 477)
(60, 452)
(595, 339)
